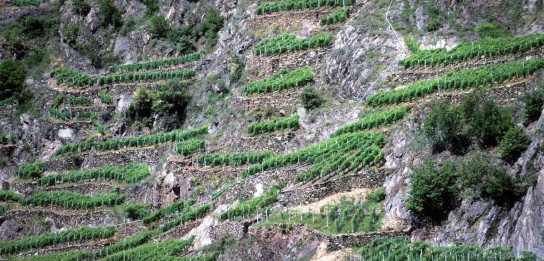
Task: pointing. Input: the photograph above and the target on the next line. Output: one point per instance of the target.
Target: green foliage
(173, 208)
(131, 142)
(189, 147)
(534, 102)
(26, 2)
(109, 14)
(75, 100)
(403, 249)
(341, 154)
(12, 78)
(2, 210)
(339, 15)
(28, 170)
(68, 199)
(374, 119)
(514, 142)
(209, 26)
(490, 123)
(431, 191)
(489, 47)
(105, 97)
(491, 30)
(81, 7)
(135, 211)
(310, 98)
(272, 125)
(281, 80)
(434, 21)
(190, 215)
(158, 26)
(152, 6)
(47, 239)
(131, 173)
(286, 5)
(435, 190)
(157, 64)
(140, 105)
(462, 79)
(376, 196)
(233, 159)
(444, 128)
(183, 39)
(289, 43)
(74, 78)
(412, 45)
(251, 205)
(162, 250)
(8, 195)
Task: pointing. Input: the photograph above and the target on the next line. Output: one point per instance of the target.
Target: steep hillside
(271, 130)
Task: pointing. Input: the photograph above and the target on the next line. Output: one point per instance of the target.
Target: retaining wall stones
(304, 20)
(149, 155)
(280, 100)
(315, 192)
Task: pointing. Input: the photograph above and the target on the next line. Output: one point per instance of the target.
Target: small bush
(140, 105)
(158, 26)
(431, 190)
(310, 98)
(491, 30)
(109, 14)
(513, 144)
(209, 27)
(12, 78)
(152, 6)
(81, 7)
(533, 106)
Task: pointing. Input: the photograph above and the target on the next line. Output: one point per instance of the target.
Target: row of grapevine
(374, 119)
(105, 97)
(2, 210)
(233, 159)
(32, 169)
(273, 125)
(326, 154)
(68, 199)
(131, 173)
(26, 2)
(344, 217)
(462, 79)
(74, 78)
(286, 5)
(189, 215)
(123, 244)
(249, 206)
(8, 195)
(489, 47)
(281, 80)
(131, 142)
(339, 15)
(290, 43)
(156, 64)
(189, 147)
(7, 101)
(76, 100)
(173, 208)
(402, 248)
(163, 250)
(47, 239)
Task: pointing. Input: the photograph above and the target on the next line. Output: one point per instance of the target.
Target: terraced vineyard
(255, 151)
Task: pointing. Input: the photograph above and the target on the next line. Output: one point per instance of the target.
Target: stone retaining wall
(315, 192)
(503, 95)
(280, 100)
(149, 155)
(337, 242)
(258, 67)
(304, 20)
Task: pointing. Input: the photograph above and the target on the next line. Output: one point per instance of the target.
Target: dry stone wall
(301, 20)
(149, 155)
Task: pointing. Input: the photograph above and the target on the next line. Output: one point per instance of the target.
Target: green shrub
(514, 142)
(533, 102)
(444, 128)
(81, 7)
(431, 191)
(109, 14)
(152, 6)
(158, 26)
(12, 78)
(209, 27)
(310, 98)
(105, 97)
(140, 105)
(491, 123)
(491, 30)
